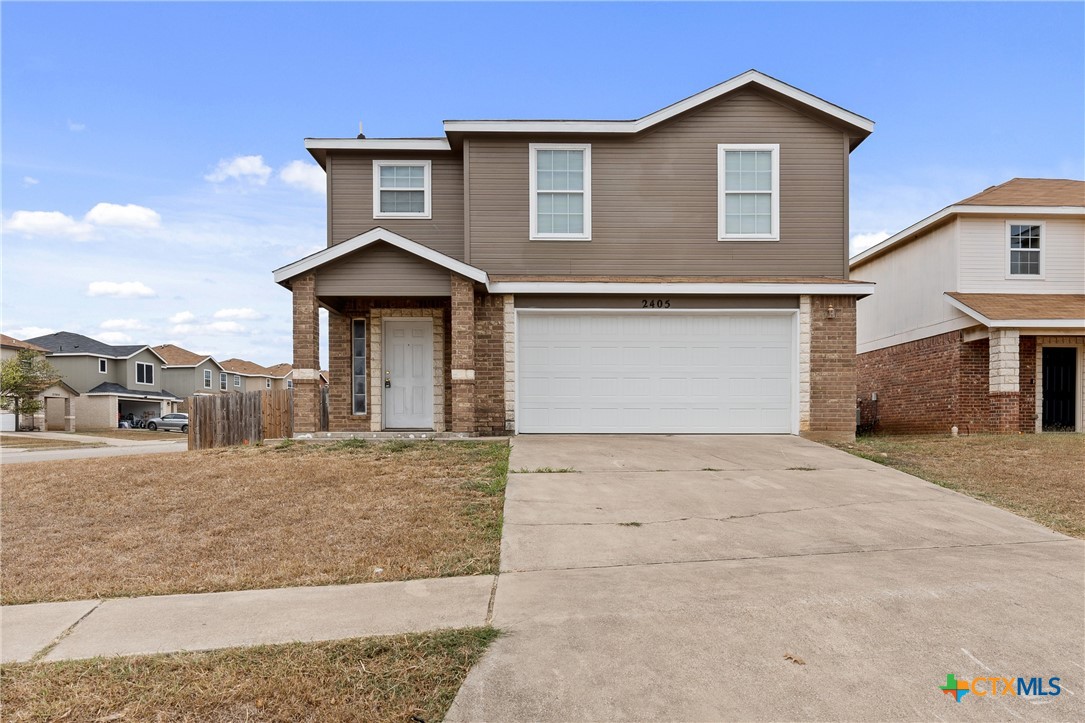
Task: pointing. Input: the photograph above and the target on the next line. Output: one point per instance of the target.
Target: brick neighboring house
(685, 272)
(979, 319)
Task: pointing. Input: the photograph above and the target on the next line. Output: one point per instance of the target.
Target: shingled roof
(175, 356)
(1030, 192)
(12, 342)
(280, 370)
(66, 342)
(247, 368)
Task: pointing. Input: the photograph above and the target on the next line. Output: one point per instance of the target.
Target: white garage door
(709, 372)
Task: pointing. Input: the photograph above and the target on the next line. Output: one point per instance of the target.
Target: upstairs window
(560, 191)
(222, 381)
(749, 191)
(103, 366)
(401, 189)
(144, 373)
(1025, 240)
(267, 384)
(237, 380)
(206, 378)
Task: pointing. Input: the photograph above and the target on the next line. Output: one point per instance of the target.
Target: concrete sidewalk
(172, 623)
(106, 447)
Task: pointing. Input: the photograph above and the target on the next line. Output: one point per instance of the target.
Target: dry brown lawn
(250, 517)
(25, 441)
(370, 679)
(1039, 476)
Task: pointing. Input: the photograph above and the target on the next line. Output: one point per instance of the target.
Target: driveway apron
(765, 578)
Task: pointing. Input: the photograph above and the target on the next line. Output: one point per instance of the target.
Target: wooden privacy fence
(223, 420)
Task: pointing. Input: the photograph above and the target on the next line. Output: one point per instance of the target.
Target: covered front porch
(415, 342)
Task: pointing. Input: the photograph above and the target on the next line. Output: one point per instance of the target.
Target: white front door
(408, 374)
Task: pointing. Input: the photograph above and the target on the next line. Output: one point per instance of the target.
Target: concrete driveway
(765, 578)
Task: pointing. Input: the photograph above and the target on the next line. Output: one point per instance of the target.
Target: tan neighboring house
(56, 413)
(979, 319)
(112, 381)
(247, 376)
(282, 376)
(683, 272)
(187, 373)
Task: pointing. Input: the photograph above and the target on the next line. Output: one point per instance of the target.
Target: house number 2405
(655, 303)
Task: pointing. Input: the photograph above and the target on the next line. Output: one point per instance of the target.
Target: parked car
(168, 422)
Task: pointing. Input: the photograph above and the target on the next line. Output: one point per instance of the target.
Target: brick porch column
(306, 355)
(1004, 389)
(463, 354)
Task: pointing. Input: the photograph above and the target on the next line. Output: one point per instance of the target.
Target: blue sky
(127, 215)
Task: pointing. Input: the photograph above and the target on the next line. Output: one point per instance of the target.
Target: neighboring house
(187, 373)
(281, 375)
(111, 380)
(247, 376)
(56, 412)
(685, 272)
(979, 319)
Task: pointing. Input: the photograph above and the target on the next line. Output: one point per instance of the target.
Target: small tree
(22, 378)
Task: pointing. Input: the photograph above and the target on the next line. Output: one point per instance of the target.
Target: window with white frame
(1025, 242)
(237, 380)
(223, 385)
(206, 378)
(103, 366)
(749, 191)
(289, 383)
(358, 369)
(560, 191)
(144, 373)
(267, 384)
(401, 189)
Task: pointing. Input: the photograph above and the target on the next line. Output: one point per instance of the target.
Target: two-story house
(684, 272)
(186, 373)
(112, 381)
(56, 412)
(979, 319)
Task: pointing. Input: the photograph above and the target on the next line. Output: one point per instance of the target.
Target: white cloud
(308, 176)
(29, 181)
(863, 241)
(129, 324)
(119, 289)
(30, 332)
(130, 216)
(76, 127)
(241, 168)
(47, 223)
(182, 317)
(225, 327)
(242, 313)
(114, 337)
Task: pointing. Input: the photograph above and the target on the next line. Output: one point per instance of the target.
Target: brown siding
(654, 202)
(382, 270)
(350, 201)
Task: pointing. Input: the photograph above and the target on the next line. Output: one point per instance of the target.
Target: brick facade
(930, 385)
(832, 367)
(306, 374)
(474, 361)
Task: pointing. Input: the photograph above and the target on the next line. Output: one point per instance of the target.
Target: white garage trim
(794, 341)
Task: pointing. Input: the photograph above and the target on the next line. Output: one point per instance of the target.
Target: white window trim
(224, 382)
(721, 200)
(427, 186)
(1043, 256)
(267, 384)
(103, 366)
(151, 368)
(207, 379)
(533, 164)
(237, 380)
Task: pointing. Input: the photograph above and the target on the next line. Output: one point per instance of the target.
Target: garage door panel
(619, 372)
